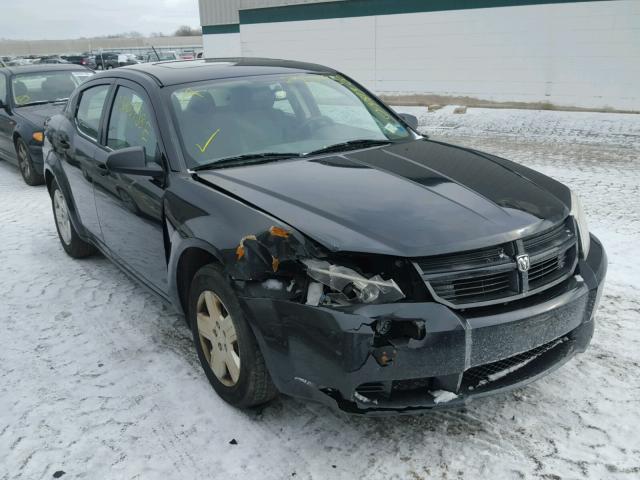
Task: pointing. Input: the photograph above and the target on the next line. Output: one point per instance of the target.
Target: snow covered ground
(99, 380)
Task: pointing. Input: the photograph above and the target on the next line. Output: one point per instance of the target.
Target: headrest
(19, 89)
(200, 103)
(263, 97)
(245, 98)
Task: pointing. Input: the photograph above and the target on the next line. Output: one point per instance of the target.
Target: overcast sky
(62, 19)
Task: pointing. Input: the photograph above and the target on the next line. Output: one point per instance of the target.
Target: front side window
(296, 114)
(90, 110)
(131, 124)
(46, 87)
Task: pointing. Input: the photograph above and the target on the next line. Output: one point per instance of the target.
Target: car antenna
(154, 51)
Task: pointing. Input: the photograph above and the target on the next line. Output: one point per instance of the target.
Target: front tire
(69, 238)
(30, 176)
(226, 346)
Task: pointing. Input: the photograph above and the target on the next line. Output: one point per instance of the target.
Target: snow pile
(442, 396)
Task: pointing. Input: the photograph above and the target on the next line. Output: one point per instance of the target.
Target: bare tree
(187, 31)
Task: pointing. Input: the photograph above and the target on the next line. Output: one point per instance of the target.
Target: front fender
(199, 215)
(178, 246)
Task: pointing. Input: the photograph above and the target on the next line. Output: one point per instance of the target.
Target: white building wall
(569, 54)
(221, 45)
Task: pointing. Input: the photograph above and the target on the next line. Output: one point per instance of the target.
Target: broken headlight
(347, 286)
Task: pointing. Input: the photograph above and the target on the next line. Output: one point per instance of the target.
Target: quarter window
(131, 124)
(90, 110)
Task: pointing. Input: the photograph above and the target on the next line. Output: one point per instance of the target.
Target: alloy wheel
(62, 216)
(218, 338)
(23, 160)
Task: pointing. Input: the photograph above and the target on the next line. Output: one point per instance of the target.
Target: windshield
(293, 114)
(42, 87)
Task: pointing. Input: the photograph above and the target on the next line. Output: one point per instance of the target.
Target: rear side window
(131, 124)
(90, 110)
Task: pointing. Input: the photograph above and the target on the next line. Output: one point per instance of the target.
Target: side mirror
(409, 119)
(3, 105)
(133, 161)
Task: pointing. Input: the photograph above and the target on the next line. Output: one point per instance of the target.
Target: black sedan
(28, 96)
(88, 61)
(316, 243)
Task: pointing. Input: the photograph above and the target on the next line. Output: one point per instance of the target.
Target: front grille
(371, 389)
(491, 275)
(482, 286)
(461, 261)
(547, 270)
(422, 384)
(483, 374)
(553, 237)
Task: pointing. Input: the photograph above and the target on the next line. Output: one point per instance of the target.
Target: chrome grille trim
(490, 276)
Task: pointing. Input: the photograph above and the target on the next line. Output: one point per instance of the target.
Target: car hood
(410, 199)
(37, 114)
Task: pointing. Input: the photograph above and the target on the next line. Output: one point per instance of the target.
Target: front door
(77, 148)
(130, 206)
(6, 121)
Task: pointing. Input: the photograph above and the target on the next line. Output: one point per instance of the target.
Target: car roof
(43, 67)
(174, 72)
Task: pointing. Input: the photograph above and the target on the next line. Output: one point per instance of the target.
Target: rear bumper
(335, 357)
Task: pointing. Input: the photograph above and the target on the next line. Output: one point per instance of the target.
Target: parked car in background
(317, 243)
(52, 60)
(28, 96)
(18, 61)
(106, 60)
(159, 56)
(88, 61)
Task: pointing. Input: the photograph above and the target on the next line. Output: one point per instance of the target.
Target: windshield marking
(206, 145)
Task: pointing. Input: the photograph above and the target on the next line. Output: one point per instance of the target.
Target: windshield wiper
(246, 159)
(350, 145)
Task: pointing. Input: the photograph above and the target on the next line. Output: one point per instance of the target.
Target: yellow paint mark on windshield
(190, 92)
(206, 145)
(22, 99)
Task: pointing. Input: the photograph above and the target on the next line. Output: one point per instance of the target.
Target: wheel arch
(185, 261)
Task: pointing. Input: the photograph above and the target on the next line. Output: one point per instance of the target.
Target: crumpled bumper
(333, 355)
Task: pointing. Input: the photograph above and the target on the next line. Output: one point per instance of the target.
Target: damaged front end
(362, 333)
(279, 263)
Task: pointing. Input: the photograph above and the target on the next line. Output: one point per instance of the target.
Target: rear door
(130, 206)
(77, 148)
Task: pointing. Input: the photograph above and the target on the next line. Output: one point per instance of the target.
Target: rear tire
(226, 346)
(30, 176)
(69, 238)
